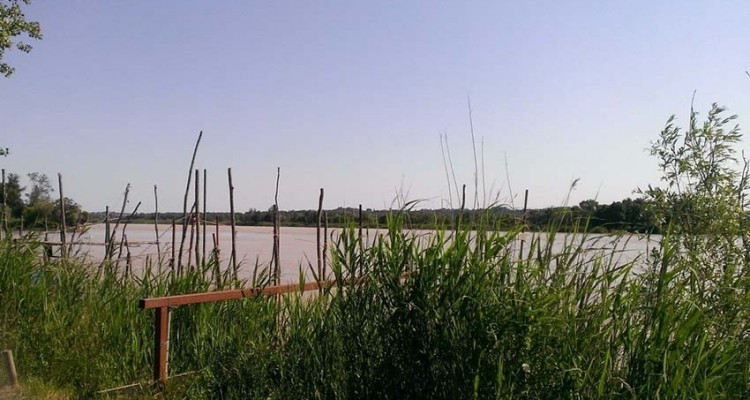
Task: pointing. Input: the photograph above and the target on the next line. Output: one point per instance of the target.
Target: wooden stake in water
(63, 247)
(110, 246)
(173, 247)
(156, 224)
(523, 223)
(106, 227)
(197, 219)
(233, 255)
(203, 255)
(276, 230)
(185, 201)
(325, 246)
(318, 248)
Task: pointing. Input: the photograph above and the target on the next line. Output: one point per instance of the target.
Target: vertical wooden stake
(325, 246)
(276, 230)
(106, 228)
(10, 368)
(233, 255)
(161, 345)
(197, 220)
(172, 260)
(320, 255)
(63, 247)
(205, 185)
(361, 246)
(156, 225)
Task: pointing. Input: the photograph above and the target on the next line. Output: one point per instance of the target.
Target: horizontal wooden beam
(195, 298)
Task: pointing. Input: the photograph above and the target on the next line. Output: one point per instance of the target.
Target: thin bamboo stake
(63, 247)
(233, 256)
(156, 224)
(318, 248)
(184, 203)
(205, 185)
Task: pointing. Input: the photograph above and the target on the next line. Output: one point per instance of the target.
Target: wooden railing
(162, 306)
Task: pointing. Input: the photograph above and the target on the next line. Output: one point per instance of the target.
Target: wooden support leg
(161, 345)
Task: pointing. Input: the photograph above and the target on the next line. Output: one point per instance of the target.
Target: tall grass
(452, 314)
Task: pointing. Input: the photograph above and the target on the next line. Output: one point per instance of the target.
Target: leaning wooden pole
(63, 247)
(233, 255)
(110, 245)
(318, 247)
(185, 202)
(523, 224)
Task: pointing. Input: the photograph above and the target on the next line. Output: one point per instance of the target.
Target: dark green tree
(13, 195)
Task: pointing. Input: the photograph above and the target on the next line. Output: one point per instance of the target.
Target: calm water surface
(298, 245)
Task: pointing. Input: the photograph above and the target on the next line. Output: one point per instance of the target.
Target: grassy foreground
(470, 321)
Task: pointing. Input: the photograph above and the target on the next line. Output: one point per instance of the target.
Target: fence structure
(163, 305)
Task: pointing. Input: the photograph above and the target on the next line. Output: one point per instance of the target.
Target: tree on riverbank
(13, 24)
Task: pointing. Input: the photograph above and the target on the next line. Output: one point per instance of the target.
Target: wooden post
(276, 231)
(156, 225)
(184, 204)
(233, 255)
(10, 368)
(361, 247)
(523, 227)
(325, 246)
(205, 184)
(197, 220)
(161, 345)
(318, 248)
(106, 227)
(172, 260)
(63, 247)
(110, 246)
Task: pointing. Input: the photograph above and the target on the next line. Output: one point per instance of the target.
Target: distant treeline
(629, 215)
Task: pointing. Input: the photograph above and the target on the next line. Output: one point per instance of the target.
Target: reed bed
(456, 314)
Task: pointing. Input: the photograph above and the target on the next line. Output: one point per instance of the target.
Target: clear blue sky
(352, 96)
